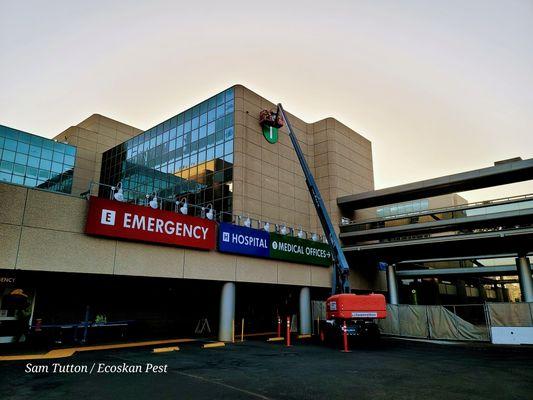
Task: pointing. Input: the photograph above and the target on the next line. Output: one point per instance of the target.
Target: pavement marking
(275, 339)
(260, 396)
(165, 349)
(307, 336)
(259, 334)
(68, 352)
(215, 344)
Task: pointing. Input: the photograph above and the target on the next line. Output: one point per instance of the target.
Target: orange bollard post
(345, 338)
(288, 331)
(279, 326)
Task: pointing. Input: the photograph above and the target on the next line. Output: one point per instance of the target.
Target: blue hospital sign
(241, 240)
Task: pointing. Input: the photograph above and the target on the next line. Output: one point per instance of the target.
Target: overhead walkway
(502, 173)
(510, 212)
(496, 228)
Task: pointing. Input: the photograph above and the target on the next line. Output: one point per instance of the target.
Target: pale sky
(438, 87)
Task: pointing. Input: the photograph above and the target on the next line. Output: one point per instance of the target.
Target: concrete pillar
(524, 276)
(460, 286)
(305, 311)
(227, 312)
(392, 284)
(482, 293)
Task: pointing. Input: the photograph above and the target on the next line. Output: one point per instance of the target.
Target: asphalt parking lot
(255, 369)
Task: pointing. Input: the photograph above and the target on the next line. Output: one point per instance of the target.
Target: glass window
(228, 147)
(69, 160)
(44, 174)
(38, 141)
(6, 166)
(228, 133)
(172, 134)
(45, 164)
(8, 155)
(220, 99)
(194, 135)
(19, 169)
(211, 115)
(46, 154)
(33, 161)
(195, 123)
(219, 151)
(35, 151)
(10, 145)
(19, 180)
(58, 157)
(5, 177)
(202, 131)
(211, 128)
(219, 124)
(57, 167)
(30, 182)
(23, 148)
(24, 137)
(219, 137)
(203, 119)
(229, 94)
(48, 144)
(229, 120)
(221, 111)
(31, 172)
(229, 107)
(59, 147)
(21, 158)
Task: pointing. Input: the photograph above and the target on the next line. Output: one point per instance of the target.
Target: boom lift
(356, 312)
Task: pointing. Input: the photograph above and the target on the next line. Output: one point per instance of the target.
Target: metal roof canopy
(499, 174)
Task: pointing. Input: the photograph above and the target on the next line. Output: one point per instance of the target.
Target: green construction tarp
(510, 314)
(443, 324)
(429, 322)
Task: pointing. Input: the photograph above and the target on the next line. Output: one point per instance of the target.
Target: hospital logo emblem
(108, 217)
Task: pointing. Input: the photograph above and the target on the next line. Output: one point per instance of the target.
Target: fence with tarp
(467, 322)
(510, 314)
(435, 322)
(464, 322)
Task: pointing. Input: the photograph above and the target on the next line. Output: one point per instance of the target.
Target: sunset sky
(438, 87)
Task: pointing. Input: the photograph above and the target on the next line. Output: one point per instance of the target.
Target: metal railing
(174, 203)
(514, 203)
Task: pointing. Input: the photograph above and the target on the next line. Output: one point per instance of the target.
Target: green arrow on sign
(270, 133)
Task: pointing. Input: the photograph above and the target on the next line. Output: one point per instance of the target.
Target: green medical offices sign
(270, 133)
(290, 248)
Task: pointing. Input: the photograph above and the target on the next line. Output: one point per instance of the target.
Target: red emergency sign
(128, 221)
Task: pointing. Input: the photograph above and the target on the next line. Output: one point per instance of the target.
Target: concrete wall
(268, 180)
(92, 137)
(43, 231)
